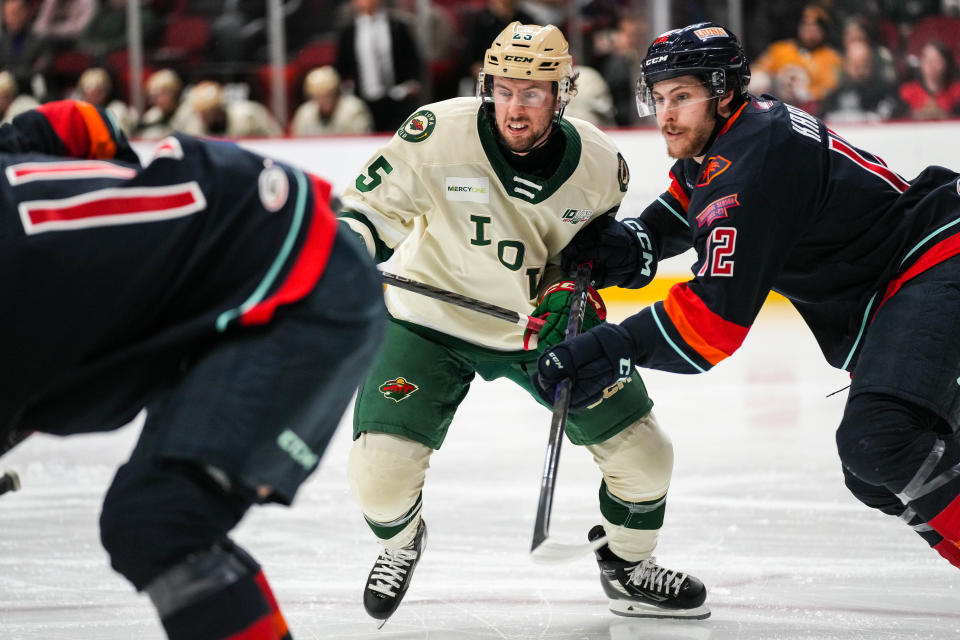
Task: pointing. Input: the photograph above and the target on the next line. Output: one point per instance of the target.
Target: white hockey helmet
(529, 52)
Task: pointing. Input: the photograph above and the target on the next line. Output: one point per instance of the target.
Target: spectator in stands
(210, 114)
(377, 52)
(863, 94)
(329, 110)
(809, 54)
(545, 11)
(22, 53)
(108, 30)
(440, 44)
(935, 94)
(484, 26)
(96, 87)
(618, 56)
(62, 22)
(12, 102)
(592, 101)
(441, 32)
(163, 90)
(858, 28)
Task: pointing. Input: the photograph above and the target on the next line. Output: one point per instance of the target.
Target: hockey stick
(524, 321)
(544, 550)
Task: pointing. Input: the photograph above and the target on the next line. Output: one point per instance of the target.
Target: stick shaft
(523, 320)
(561, 408)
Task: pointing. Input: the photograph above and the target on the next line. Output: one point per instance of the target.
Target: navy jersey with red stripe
(106, 263)
(782, 203)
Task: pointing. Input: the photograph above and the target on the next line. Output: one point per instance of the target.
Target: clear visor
(651, 102)
(507, 91)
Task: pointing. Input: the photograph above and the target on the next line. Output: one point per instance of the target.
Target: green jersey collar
(525, 186)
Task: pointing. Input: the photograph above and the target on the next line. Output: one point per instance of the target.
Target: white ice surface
(757, 510)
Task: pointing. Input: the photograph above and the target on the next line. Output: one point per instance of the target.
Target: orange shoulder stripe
(102, 145)
(704, 331)
(677, 192)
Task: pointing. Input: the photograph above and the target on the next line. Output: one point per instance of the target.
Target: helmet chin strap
(719, 121)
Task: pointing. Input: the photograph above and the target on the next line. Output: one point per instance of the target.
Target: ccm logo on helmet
(655, 60)
(517, 59)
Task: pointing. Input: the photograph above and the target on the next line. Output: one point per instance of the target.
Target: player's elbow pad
(647, 255)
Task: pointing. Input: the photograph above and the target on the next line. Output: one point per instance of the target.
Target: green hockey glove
(554, 307)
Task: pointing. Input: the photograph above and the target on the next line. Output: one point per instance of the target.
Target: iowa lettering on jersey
(804, 123)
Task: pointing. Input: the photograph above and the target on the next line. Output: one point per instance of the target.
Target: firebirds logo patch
(398, 389)
(717, 210)
(715, 166)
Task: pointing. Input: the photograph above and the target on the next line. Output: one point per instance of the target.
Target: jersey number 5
(372, 178)
(720, 247)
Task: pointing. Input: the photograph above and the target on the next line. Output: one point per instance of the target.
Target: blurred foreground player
(773, 200)
(212, 286)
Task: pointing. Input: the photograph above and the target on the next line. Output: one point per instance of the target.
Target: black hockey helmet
(705, 49)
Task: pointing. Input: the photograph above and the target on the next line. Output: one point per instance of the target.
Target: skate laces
(647, 574)
(390, 569)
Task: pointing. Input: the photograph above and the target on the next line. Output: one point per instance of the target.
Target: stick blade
(553, 552)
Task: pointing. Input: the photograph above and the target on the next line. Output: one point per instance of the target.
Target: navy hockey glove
(592, 362)
(554, 307)
(622, 253)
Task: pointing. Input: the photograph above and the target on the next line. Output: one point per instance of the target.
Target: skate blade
(382, 622)
(630, 609)
(552, 552)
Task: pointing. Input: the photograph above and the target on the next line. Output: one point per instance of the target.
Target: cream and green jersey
(441, 204)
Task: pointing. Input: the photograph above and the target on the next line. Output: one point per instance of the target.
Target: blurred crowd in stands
(359, 66)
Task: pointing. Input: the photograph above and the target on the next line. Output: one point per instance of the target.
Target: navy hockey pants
(899, 440)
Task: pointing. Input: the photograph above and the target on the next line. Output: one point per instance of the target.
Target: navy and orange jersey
(782, 203)
(105, 262)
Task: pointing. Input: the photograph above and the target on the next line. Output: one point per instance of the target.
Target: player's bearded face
(685, 114)
(524, 112)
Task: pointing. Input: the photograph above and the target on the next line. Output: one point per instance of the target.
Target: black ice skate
(644, 589)
(390, 577)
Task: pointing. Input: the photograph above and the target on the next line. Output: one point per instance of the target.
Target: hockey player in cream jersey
(479, 197)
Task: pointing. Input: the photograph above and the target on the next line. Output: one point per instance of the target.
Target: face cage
(716, 85)
(563, 94)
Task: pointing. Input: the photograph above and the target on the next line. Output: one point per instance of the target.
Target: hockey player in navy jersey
(212, 286)
(773, 200)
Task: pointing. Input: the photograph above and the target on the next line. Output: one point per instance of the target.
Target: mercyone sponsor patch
(717, 209)
(467, 189)
(715, 166)
(418, 127)
(398, 389)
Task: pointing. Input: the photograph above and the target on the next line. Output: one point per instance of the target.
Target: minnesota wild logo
(418, 127)
(398, 389)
